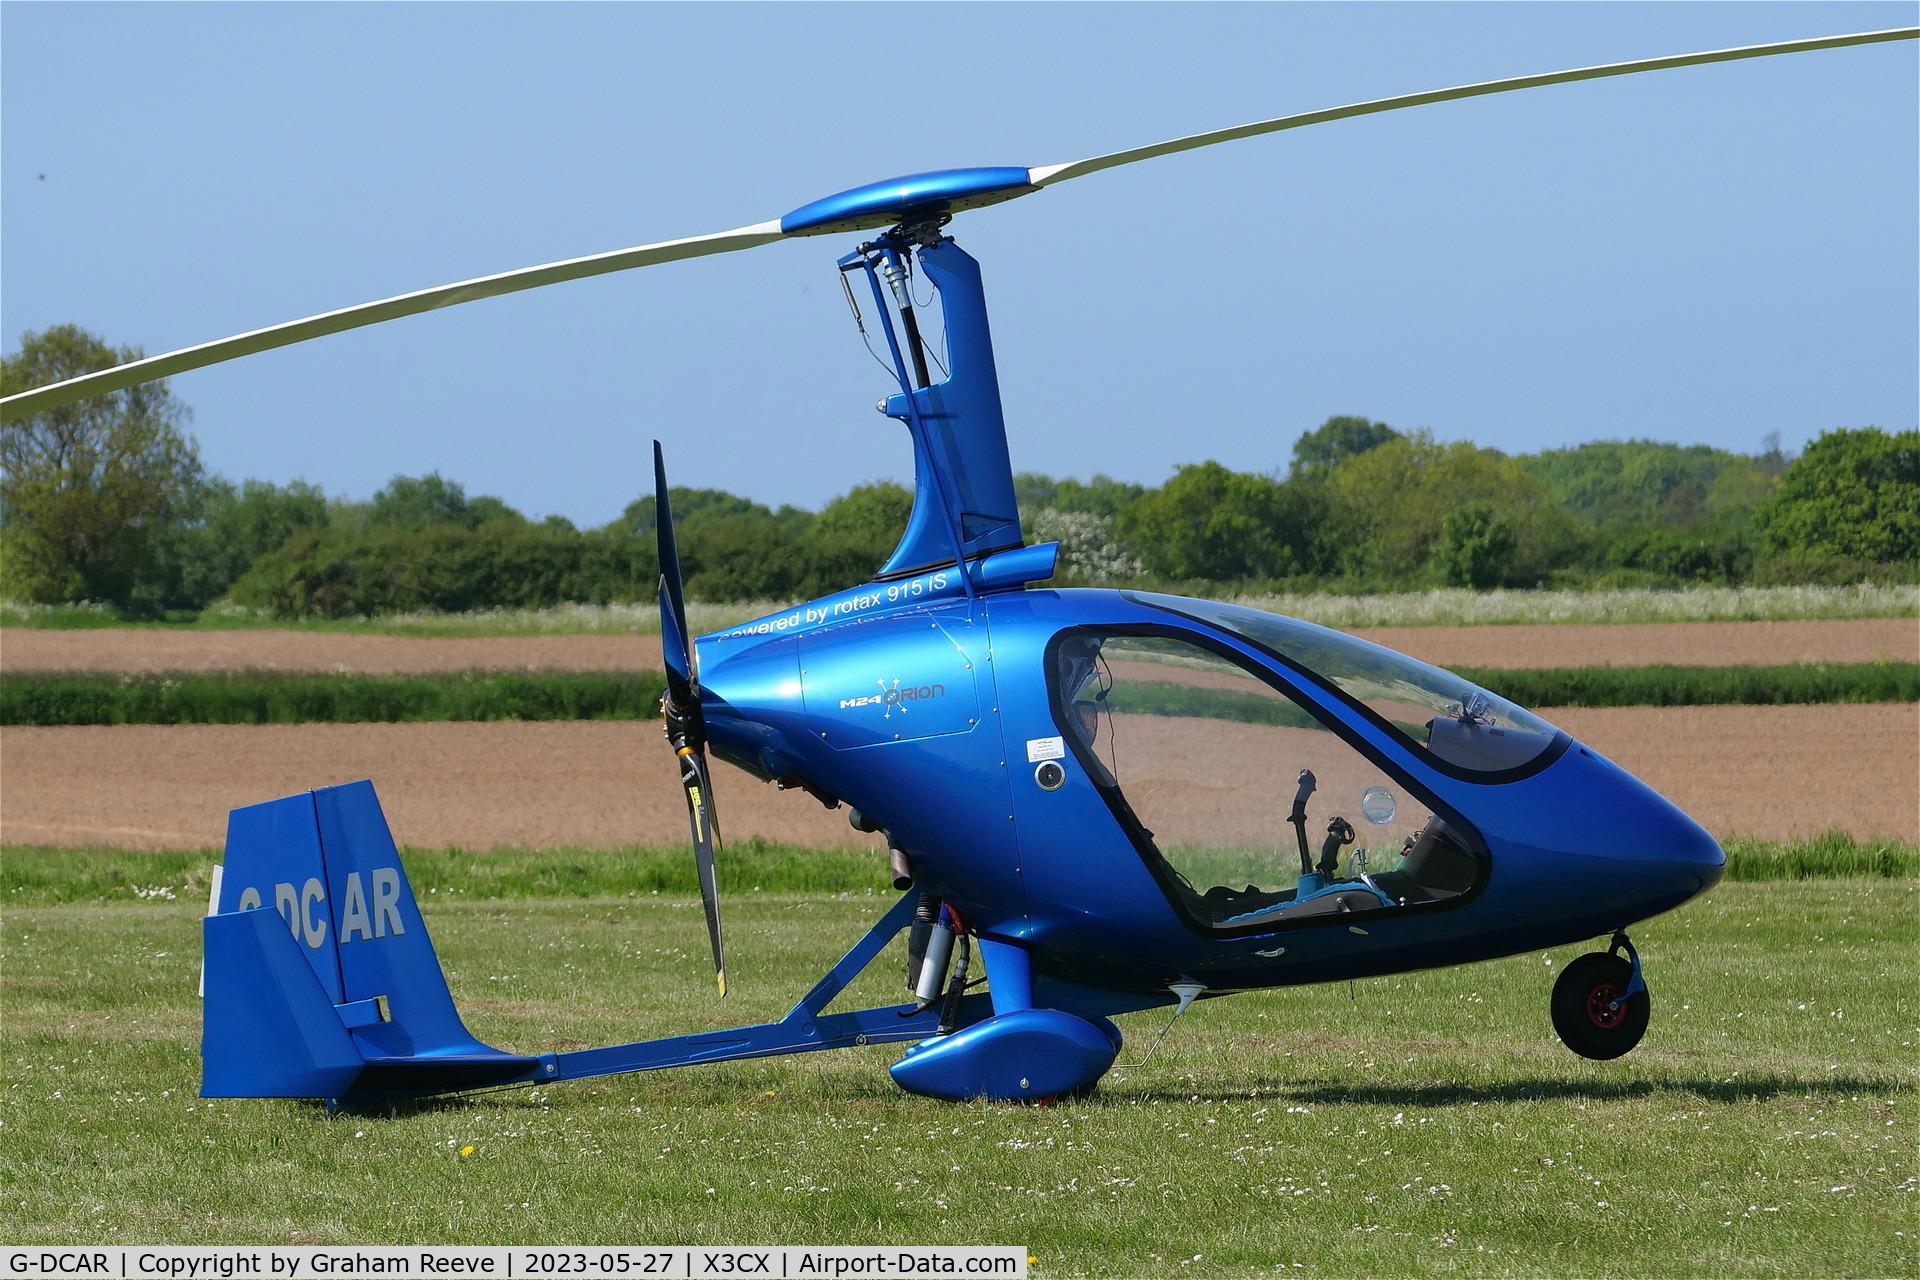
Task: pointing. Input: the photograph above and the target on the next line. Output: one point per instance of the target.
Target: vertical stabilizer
(321, 980)
(383, 951)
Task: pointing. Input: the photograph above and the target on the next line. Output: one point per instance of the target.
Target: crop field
(1413, 1125)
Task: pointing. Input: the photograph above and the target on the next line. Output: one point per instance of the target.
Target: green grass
(258, 697)
(1834, 854)
(1448, 607)
(1670, 686)
(47, 875)
(1416, 1125)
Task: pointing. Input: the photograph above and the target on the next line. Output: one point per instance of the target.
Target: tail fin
(325, 862)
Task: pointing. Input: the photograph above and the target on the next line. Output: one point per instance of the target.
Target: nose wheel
(1600, 1003)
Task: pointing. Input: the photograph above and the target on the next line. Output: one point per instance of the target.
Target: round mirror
(1378, 806)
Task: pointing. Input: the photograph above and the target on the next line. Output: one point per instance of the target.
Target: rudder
(325, 861)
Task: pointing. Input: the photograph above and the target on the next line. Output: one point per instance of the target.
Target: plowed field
(1763, 771)
(1710, 644)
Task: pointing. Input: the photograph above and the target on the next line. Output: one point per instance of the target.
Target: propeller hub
(917, 197)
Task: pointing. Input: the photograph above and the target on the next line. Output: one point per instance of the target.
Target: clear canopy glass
(1454, 719)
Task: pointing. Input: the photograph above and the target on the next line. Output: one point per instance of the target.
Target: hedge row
(255, 697)
(251, 697)
(1668, 686)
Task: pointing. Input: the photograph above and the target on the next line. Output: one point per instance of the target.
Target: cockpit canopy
(1465, 728)
(1255, 808)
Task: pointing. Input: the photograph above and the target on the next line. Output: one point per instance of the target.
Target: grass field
(1417, 1125)
(1440, 607)
(41, 875)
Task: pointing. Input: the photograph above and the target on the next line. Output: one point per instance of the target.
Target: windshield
(1452, 719)
(1199, 752)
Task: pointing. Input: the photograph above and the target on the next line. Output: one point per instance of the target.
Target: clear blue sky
(1703, 255)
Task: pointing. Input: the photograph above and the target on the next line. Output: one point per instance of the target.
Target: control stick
(1339, 833)
(1299, 819)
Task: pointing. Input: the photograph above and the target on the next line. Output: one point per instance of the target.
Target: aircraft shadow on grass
(1328, 1093)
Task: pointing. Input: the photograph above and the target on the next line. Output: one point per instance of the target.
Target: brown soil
(1625, 644)
(474, 785)
(1773, 772)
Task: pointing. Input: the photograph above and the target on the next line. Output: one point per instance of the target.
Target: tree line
(108, 500)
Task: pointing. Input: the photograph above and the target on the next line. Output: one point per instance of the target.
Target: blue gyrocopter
(1118, 799)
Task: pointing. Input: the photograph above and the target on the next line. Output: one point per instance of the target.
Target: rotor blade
(676, 637)
(698, 785)
(281, 335)
(1050, 174)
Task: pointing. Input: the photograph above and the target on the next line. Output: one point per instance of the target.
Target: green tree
(344, 572)
(1100, 496)
(732, 548)
(1853, 493)
(1621, 483)
(235, 526)
(415, 502)
(1389, 504)
(1214, 523)
(698, 506)
(855, 533)
(1475, 547)
(1334, 441)
(89, 491)
(1033, 491)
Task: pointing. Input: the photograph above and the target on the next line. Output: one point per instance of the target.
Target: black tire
(1584, 1012)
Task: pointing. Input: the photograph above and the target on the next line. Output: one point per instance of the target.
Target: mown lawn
(1425, 1124)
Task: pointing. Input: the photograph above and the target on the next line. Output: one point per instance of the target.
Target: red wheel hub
(1605, 1009)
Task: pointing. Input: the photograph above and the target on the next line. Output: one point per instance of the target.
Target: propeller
(920, 197)
(686, 724)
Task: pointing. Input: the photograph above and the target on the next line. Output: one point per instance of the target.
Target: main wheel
(1588, 1011)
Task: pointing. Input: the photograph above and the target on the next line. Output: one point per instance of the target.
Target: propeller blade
(56, 394)
(1049, 174)
(686, 726)
(698, 785)
(676, 638)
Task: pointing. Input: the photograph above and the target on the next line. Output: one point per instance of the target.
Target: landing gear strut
(1600, 1003)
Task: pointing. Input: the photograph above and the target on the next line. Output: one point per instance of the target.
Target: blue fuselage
(918, 706)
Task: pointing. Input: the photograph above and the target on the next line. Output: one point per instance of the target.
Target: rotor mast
(964, 506)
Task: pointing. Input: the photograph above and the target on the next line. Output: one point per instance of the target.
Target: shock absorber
(933, 969)
(925, 912)
(893, 269)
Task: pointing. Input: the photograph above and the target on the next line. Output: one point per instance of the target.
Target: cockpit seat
(1436, 866)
